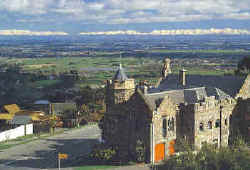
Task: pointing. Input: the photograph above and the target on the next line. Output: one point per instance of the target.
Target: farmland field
(33, 69)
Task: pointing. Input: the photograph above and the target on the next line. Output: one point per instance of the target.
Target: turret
(119, 89)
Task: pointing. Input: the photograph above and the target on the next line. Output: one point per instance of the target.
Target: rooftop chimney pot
(182, 77)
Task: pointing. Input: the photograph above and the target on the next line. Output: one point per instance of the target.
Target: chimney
(143, 86)
(182, 77)
(145, 89)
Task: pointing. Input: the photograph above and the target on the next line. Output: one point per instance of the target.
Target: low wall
(17, 132)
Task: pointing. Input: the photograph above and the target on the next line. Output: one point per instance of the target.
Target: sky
(66, 17)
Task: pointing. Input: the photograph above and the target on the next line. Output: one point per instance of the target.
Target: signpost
(61, 156)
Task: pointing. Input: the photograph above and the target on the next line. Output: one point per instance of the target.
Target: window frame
(210, 124)
(164, 127)
(217, 123)
(201, 126)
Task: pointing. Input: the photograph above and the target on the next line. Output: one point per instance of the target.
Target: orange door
(171, 147)
(159, 152)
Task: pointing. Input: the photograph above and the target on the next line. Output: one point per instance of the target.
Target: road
(42, 153)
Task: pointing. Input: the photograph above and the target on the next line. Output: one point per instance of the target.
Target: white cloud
(225, 31)
(28, 32)
(26, 6)
(95, 6)
(131, 11)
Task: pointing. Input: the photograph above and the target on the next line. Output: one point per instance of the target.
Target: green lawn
(5, 146)
(138, 67)
(45, 83)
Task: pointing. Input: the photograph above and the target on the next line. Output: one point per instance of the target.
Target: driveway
(42, 153)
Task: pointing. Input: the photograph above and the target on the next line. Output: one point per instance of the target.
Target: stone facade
(206, 122)
(241, 119)
(155, 119)
(164, 123)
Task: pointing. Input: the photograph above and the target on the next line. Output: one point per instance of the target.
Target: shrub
(103, 153)
(210, 158)
(140, 151)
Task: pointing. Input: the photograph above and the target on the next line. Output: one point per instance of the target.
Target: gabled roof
(120, 74)
(12, 108)
(149, 103)
(6, 116)
(228, 84)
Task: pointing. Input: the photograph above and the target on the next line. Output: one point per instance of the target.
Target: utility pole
(59, 168)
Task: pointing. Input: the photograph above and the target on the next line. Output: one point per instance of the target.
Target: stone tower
(119, 89)
(166, 70)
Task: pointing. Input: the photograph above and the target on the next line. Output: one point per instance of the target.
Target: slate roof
(192, 95)
(120, 74)
(12, 108)
(21, 120)
(227, 84)
(61, 108)
(155, 99)
(42, 102)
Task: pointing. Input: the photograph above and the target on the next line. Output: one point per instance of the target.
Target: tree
(87, 96)
(52, 123)
(243, 65)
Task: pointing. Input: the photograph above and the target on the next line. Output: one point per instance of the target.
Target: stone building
(145, 122)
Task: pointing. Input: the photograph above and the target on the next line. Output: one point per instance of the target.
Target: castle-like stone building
(197, 109)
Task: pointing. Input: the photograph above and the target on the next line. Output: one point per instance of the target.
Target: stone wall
(118, 92)
(212, 121)
(244, 92)
(185, 123)
(127, 124)
(227, 109)
(241, 119)
(167, 111)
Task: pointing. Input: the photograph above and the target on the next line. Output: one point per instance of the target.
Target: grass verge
(95, 167)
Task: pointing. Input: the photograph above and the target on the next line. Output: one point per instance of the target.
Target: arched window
(164, 127)
(210, 124)
(201, 127)
(226, 121)
(217, 123)
(171, 124)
